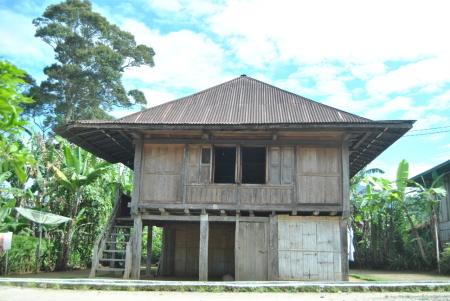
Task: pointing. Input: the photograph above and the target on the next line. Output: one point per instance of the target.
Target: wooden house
(426, 179)
(245, 179)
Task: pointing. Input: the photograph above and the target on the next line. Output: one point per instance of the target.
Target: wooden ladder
(112, 257)
(112, 250)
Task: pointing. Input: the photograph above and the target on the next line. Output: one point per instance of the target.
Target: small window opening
(224, 164)
(206, 155)
(254, 165)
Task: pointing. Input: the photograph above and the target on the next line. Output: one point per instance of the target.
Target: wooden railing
(100, 244)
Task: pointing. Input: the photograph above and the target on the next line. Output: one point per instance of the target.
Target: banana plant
(80, 169)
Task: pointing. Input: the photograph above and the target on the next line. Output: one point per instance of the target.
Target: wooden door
(309, 248)
(252, 246)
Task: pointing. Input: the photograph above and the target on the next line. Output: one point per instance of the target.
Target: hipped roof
(242, 103)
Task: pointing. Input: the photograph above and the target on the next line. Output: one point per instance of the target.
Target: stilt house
(245, 179)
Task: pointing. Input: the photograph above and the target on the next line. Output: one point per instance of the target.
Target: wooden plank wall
(252, 250)
(319, 176)
(185, 240)
(444, 213)
(162, 173)
(309, 248)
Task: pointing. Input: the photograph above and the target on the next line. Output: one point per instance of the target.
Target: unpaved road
(10, 293)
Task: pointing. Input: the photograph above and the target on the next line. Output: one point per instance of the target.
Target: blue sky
(379, 59)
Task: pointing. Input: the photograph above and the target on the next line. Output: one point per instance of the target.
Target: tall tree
(91, 55)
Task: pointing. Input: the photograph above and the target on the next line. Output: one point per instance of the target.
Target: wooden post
(344, 248)
(236, 248)
(203, 251)
(148, 268)
(136, 247)
(273, 249)
(345, 180)
(137, 175)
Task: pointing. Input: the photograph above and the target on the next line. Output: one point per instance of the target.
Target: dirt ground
(381, 274)
(9, 293)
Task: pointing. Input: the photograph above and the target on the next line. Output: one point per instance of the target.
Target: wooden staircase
(112, 250)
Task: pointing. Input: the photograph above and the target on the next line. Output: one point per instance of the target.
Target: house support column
(203, 251)
(136, 247)
(273, 249)
(344, 248)
(148, 269)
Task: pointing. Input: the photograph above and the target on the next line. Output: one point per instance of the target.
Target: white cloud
(169, 5)
(427, 74)
(20, 45)
(310, 32)
(445, 146)
(157, 97)
(184, 59)
(367, 71)
(429, 121)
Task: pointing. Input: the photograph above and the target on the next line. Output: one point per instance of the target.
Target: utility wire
(426, 134)
(441, 127)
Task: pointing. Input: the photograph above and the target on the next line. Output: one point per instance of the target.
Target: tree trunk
(373, 242)
(64, 256)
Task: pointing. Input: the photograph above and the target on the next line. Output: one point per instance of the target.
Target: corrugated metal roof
(243, 100)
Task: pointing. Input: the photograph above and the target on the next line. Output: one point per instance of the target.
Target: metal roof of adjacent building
(426, 178)
(241, 103)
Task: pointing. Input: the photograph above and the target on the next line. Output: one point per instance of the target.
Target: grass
(367, 278)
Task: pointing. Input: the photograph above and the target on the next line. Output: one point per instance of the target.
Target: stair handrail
(100, 244)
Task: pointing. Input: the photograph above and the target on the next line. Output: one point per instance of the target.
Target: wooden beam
(304, 207)
(196, 218)
(362, 140)
(303, 143)
(148, 266)
(137, 176)
(273, 249)
(203, 250)
(345, 180)
(136, 247)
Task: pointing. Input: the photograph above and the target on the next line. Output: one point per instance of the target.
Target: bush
(22, 256)
(445, 260)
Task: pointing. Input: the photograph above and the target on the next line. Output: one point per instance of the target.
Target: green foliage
(91, 56)
(22, 256)
(13, 155)
(445, 260)
(156, 244)
(386, 219)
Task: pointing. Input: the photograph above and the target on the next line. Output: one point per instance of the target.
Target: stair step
(116, 242)
(120, 234)
(111, 269)
(109, 259)
(114, 251)
(123, 227)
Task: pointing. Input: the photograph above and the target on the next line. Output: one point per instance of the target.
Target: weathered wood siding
(252, 249)
(309, 248)
(221, 249)
(444, 213)
(281, 165)
(162, 174)
(319, 179)
(211, 194)
(187, 242)
(181, 250)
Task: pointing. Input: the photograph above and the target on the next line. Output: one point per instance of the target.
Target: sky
(383, 60)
